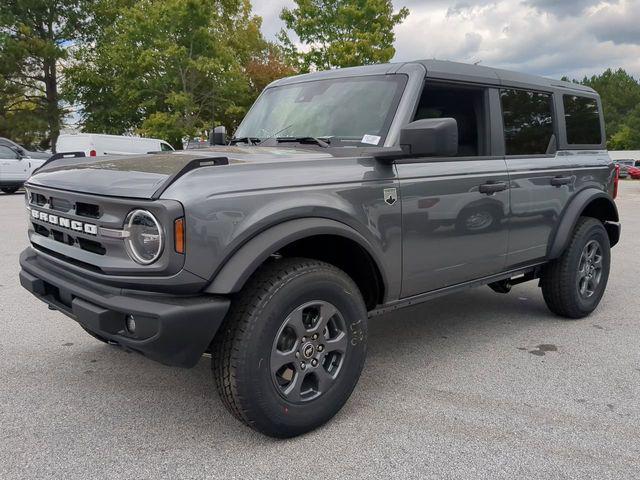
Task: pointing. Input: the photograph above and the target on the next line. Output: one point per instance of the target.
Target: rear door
(541, 180)
(13, 169)
(454, 209)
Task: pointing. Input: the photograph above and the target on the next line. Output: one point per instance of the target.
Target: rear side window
(583, 120)
(528, 122)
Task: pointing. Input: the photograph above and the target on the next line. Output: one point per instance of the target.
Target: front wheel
(292, 347)
(10, 190)
(574, 284)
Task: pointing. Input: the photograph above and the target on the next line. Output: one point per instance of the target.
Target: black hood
(146, 176)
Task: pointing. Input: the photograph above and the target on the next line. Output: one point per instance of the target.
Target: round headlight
(144, 242)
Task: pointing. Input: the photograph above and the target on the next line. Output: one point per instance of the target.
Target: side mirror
(219, 136)
(430, 137)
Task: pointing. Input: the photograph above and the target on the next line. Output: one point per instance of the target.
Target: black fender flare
(245, 261)
(572, 213)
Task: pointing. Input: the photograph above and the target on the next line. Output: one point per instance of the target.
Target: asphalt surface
(475, 385)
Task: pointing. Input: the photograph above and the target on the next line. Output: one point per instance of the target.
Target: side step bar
(519, 275)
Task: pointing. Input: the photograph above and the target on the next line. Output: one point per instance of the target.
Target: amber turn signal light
(178, 229)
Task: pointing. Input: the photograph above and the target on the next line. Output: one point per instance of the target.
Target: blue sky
(546, 37)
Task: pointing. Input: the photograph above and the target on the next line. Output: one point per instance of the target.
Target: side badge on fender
(390, 195)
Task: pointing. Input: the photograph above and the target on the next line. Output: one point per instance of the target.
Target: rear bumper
(174, 330)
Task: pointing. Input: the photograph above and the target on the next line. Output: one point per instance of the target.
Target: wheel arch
(591, 203)
(318, 238)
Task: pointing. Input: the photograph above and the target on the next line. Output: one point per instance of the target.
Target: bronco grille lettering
(63, 222)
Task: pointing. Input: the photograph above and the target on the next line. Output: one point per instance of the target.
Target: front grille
(38, 199)
(79, 229)
(60, 204)
(87, 210)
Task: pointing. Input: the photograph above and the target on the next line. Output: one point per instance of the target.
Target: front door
(13, 170)
(455, 209)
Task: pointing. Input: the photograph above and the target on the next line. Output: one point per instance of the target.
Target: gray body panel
(438, 198)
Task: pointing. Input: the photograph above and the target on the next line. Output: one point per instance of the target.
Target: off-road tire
(241, 351)
(559, 279)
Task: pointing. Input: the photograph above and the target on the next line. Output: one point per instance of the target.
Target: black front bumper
(174, 330)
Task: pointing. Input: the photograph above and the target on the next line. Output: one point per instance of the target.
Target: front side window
(583, 120)
(351, 110)
(165, 147)
(7, 153)
(464, 104)
(528, 122)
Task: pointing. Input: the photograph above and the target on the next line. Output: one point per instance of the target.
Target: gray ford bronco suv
(343, 195)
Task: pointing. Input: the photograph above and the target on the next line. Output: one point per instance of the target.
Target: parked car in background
(624, 166)
(97, 145)
(196, 143)
(634, 172)
(5, 142)
(15, 168)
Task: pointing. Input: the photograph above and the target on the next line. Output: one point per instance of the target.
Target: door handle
(492, 187)
(559, 181)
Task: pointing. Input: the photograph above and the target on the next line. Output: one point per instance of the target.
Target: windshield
(351, 110)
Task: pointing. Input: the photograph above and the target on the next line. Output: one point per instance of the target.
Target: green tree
(341, 33)
(628, 135)
(20, 118)
(169, 68)
(620, 94)
(35, 36)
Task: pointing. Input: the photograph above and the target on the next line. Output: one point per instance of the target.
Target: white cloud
(546, 37)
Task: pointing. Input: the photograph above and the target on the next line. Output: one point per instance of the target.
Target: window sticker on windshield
(370, 139)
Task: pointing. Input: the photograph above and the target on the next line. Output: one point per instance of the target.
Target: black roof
(446, 70)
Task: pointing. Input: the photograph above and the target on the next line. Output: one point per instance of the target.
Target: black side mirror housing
(219, 136)
(430, 137)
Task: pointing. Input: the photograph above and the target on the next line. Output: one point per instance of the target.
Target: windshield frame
(401, 79)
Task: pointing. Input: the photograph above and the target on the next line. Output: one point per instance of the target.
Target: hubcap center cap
(308, 350)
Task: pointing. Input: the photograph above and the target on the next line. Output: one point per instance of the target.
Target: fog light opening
(130, 323)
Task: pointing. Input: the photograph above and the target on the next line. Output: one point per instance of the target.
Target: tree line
(173, 68)
(166, 68)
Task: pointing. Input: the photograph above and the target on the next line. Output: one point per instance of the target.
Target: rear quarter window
(582, 117)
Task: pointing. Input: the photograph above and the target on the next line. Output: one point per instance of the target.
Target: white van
(95, 145)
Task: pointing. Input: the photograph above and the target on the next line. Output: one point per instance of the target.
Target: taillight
(616, 179)
(93, 153)
(178, 229)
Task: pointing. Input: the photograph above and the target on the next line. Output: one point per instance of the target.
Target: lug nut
(304, 339)
(320, 348)
(315, 336)
(297, 354)
(314, 363)
(303, 366)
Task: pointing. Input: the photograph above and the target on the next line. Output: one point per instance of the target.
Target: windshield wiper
(248, 140)
(322, 142)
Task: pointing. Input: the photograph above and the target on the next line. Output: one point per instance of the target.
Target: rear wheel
(574, 284)
(292, 348)
(10, 190)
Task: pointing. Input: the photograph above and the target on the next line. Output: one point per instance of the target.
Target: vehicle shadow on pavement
(414, 339)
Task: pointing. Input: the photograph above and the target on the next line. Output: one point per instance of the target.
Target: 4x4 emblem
(390, 195)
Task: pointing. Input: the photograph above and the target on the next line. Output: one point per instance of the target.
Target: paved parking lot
(476, 385)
